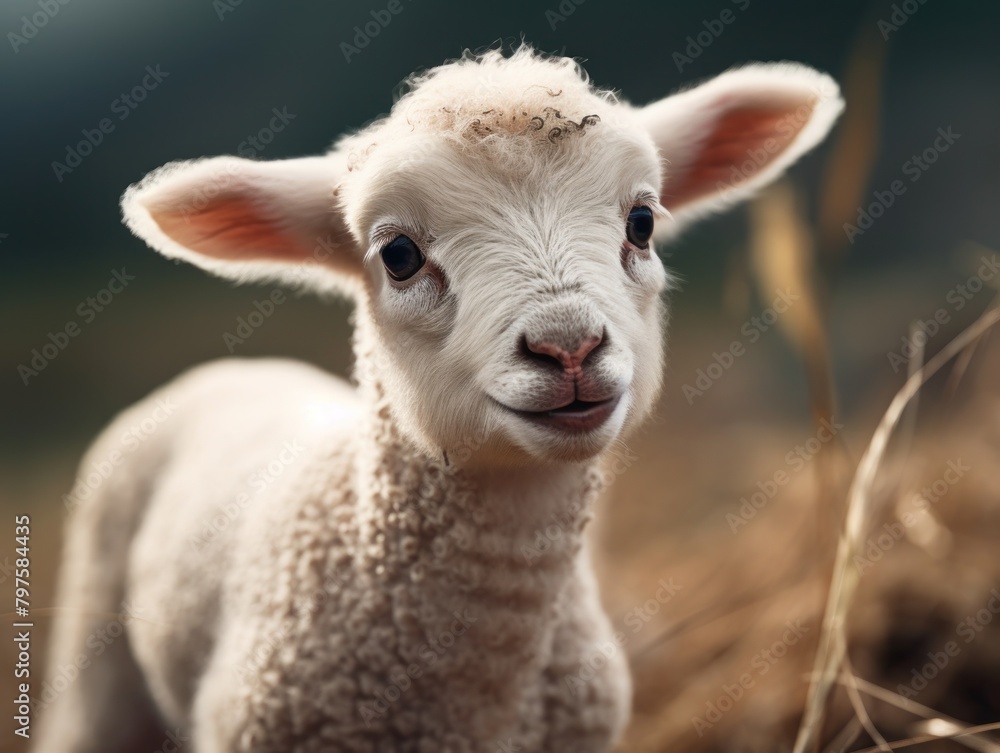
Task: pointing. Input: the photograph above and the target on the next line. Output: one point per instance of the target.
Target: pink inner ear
(232, 228)
(742, 143)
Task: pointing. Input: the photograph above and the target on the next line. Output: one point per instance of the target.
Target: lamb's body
(304, 584)
(404, 569)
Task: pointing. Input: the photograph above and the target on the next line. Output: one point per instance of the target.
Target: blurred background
(98, 93)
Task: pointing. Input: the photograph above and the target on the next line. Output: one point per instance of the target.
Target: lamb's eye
(402, 258)
(639, 227)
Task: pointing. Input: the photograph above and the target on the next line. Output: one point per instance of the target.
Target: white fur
(420, 497)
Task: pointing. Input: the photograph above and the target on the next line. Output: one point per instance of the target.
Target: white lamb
(309, 567)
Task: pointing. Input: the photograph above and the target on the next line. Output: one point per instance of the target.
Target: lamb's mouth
(577, 417)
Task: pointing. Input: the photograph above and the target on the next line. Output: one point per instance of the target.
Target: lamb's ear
(727, 138)
(248, 220)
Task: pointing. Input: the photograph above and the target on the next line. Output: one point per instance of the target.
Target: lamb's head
(496, 230)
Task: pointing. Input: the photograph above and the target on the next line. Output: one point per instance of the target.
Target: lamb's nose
(546, 351)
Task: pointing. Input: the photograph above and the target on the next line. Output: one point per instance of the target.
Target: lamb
(312, 567)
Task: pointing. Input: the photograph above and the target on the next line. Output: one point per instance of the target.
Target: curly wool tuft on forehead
(489, 97)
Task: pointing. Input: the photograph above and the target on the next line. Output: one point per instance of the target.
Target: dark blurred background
(225, 66)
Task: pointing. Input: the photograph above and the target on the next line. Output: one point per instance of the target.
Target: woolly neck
(492, 553)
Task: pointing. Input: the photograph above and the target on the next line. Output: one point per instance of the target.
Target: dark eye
(402, 258)
(639, 227)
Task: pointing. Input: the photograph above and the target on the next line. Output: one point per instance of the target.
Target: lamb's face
(496, 228)
(518, 297)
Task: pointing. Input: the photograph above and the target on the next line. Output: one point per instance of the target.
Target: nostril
(590, 346)
(551, 354)
(543, 353)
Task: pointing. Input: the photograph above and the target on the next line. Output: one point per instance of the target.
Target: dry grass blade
(832, 648)
(918, 709)
(715, 612)
(784, 259)
(845, 737)
(962, 364)
(851, 684)
(908, 422)
(897, 744)
(965, 359)
(852, 158)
